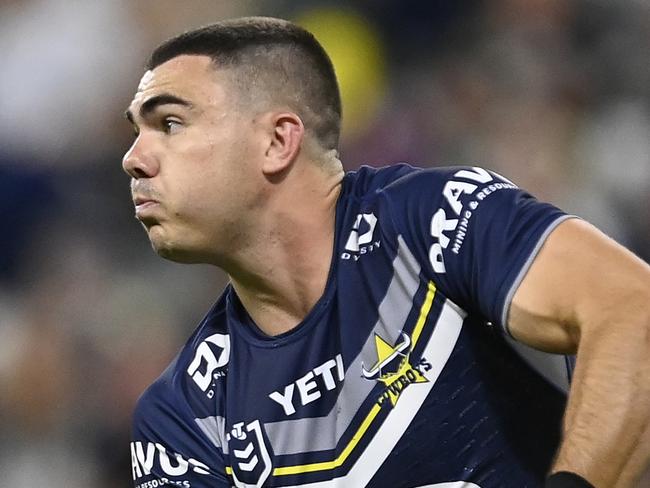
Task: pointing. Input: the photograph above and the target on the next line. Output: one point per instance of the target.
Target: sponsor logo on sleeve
(210, 362)
(456, 223)
(153, 457)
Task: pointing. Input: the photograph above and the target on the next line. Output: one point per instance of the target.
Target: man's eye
(171, 125)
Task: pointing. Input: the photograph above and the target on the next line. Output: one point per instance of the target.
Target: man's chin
(172, 253)
(176, 253)
(171, 249)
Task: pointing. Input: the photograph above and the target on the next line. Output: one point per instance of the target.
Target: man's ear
(286, 135)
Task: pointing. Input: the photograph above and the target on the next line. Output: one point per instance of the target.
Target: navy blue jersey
(402, 374)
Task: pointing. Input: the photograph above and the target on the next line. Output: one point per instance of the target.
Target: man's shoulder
(368, 179)
(383, 197)
(404, 179)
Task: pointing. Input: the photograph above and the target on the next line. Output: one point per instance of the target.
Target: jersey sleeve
(474, 233)
(170, 447)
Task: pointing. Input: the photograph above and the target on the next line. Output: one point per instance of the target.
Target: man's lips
(140, 200)
(143, 205)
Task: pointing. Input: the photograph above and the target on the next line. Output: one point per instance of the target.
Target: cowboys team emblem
(393, 368)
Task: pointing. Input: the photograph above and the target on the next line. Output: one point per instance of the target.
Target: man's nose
(138, 161)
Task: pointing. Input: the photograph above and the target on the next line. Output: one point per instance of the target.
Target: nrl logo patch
(393, 368)
(251, 458)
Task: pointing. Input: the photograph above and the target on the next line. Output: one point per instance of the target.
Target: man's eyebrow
(152, 103)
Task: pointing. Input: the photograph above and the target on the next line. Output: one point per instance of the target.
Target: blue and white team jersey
(402, 375)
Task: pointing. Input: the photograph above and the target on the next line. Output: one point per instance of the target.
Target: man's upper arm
(580, 279)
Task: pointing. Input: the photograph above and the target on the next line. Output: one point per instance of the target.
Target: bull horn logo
(385, 354)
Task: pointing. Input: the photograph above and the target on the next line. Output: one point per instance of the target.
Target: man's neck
(283, 274)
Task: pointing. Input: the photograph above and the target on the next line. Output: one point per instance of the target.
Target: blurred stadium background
(554, 94)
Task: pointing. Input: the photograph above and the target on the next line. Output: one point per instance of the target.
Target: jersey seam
(523, 271)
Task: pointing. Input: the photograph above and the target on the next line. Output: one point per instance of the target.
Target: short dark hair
(280, 57)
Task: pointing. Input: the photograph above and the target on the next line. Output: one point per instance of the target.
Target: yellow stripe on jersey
(374, 411)
(424, 313)
(308, 468)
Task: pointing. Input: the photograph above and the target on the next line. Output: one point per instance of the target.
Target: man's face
(192, 163)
